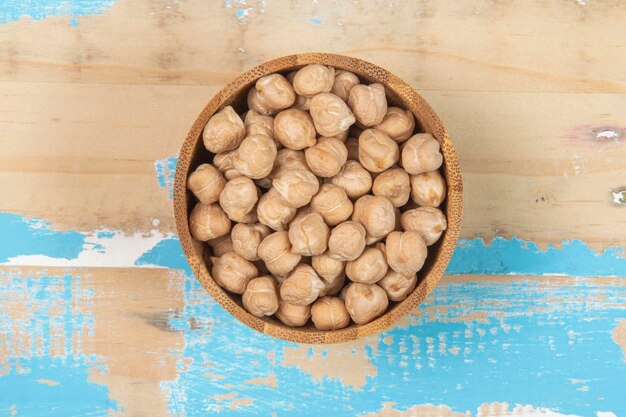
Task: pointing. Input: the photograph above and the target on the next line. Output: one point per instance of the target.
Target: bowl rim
(411, 101)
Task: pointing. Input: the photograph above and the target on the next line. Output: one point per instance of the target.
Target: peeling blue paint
(166, 170)
(12, 10)
(167, 252)
(315, 20)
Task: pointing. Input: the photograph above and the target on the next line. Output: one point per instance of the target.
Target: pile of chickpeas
(320, 201)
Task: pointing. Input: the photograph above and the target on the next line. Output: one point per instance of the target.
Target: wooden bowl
(399, 94)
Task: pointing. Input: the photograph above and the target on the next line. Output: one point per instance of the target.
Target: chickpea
(352, 145)
(354, 179)
(428, 189)
(421, 153)
(327, 267)
(287, 159)
(302, 103)
(206, 183)
(272, 212)
(296, 187)
(329, 313)
(347, 241)
(221, 245)
(333, 287)
(302, 286)
(246, 239)
(291, 314)
(377, 151)
(398, 124)
(369, 267)
(270, 94)
(309, 235)
(294, 129)
(231, 272)
(344, 81)
(275, 251)
(313, 79)
(326, 158)
(393, 184)
(429, 222)
(368, 103)
(224, 131)
(208, 221)
(223, 161)
(376, 214)
(330, 114)
(331, 201)
(255, 156)
(238, 198)
(258, 124)
(365, 302)
(261, 296)
(406, 252)
(258, 104)
(397, 286)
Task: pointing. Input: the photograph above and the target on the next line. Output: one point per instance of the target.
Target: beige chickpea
(208, 221)
(258, 124)
(261, 296)
(224, 131)
(294, 129)
(223, 161)
(232, 272)
(331, 115)
(255, 156)
(428, 189)
(377, 151)
(429, 222)
(421, 153)
(303, 211)
(333, 287)
(369, 267)
(368, 103)
(354, 179)
(398, 124)
(309, 235)
(331, 201)
(347, 241)
(327, 267)
(314, 79)
(246, 239)
(291, 314)
(376, 214)
(296, 187)
(329, 313)
(270, 94)
(406, 252)
(272, 212)
(239, 198)
(302, 103)
(344, 291)
(206, 183)
(344, 81)
(221, 245)
(393, 184)
(275, 251)
(326, 158)
(352, 145)
(397, 286)
(302, 286)
(365, 302)
(342, 136)
(288, 159)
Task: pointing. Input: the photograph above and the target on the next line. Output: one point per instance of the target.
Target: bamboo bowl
(399, 94)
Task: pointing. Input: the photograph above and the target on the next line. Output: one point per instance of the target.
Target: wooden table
(99, 314)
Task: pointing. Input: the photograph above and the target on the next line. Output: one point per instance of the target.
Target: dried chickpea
(326, 158)
(333, 287)
(393, 184)
(302, 103)
(272, 212)
(428, 189)
(270, 94)
(221, 245)
(377, 151)
(327, 267)
(331, 201)
(352, 145)
(258, 124)
(206, 183)
(421, 153)
(368, 103)
(329, 313)
(224, 162)
(347, 241)
(224, 131)
(344, 291)
(309, 235)
(398, 124)
(208, 221)
(406, 252)
(246, 239)
(302, 286)
(397, 286)
(291, 314)
(261, 296)
(314, 79)
(376, 214)
(287, 159)
(255, 156)
(429, 222)
(275, 251)
(294, 129)
(331, 115)
(344, 81)
(232, 272)
(296, 187)
(238, 199)
(354, 179)
(365, 302)
(369, 267)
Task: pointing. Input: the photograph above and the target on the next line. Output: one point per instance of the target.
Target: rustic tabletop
(100, 314)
